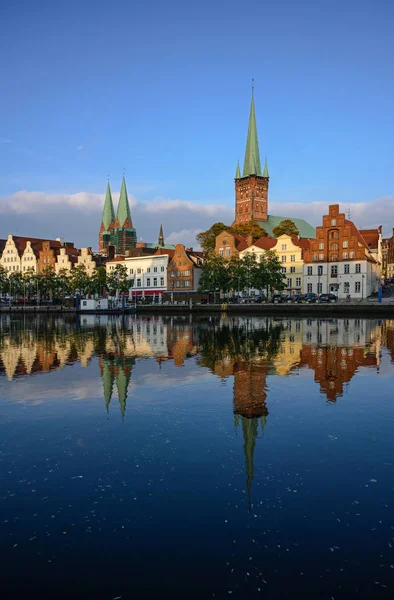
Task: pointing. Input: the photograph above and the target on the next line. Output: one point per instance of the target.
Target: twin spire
(252, 164)
(123, 213)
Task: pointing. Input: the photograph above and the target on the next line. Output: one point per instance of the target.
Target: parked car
(310, 297)
(277, 298)
(324, 298)
(295, 298)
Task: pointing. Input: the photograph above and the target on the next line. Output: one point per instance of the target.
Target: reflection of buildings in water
(27, 356)
(288, 356)
(388, 336)
(335, 350)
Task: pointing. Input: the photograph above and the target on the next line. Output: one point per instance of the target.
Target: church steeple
(123, 215)
(107, 221)
(251, 189)
(252, 164)
(160, 240)
(108, 210)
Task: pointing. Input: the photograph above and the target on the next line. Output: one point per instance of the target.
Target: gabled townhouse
(339, 260)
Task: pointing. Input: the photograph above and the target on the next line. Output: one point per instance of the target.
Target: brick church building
(251, 187)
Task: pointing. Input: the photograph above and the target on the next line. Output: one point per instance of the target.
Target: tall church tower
(251, 188)
(107, 222)
(124, 235)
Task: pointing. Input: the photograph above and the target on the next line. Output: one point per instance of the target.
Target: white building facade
(147, 274)
(357, 279)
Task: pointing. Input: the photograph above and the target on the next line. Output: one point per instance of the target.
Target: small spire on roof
(265, 172)
(238, 171)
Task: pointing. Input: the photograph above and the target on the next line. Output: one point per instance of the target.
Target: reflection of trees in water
(238, 341)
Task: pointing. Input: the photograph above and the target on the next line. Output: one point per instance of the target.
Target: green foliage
(263, 273)
(207, 238)
(251, 228)
(118, 280)
(286, 226)
(98, 281)
(215, 276)
(80, 280)
(3, 280)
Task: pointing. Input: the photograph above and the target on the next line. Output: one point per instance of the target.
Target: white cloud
(77, 216)
(185, 236)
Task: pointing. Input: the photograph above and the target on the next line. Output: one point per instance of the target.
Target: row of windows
(228, 251)
(284, 257)
(292, 270)
(180, 273)
(334, 257)
(297, 282)
(334, 246)
(346, 287)
(177, 284)
(148, 282)
(334, 269)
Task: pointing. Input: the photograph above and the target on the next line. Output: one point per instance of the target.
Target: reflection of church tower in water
(250, 405)
(116, 369)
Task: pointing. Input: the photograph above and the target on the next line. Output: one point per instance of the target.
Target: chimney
(249, 240)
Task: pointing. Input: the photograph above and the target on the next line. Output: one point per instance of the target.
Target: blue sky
(162, 89)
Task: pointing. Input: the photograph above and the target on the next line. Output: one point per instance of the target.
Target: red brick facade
(337, 239)
(230, 244)
(181, 271)
(251, 199)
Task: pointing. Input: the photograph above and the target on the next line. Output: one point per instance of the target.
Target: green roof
(252, 164)
(165, 246)
(238, 172)
(123, 212)
(108, 211)
(306, 230)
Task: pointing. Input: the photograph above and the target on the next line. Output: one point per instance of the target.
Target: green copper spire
(238, 172)
(249, 429)
(107, 378)
(123, 212)
(108, 211)
(252, 155)
(265, 172)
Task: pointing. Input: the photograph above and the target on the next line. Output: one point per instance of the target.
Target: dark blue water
(207, 458)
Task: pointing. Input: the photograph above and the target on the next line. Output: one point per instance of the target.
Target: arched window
(334, 246)
(334, 257)
(334, 235)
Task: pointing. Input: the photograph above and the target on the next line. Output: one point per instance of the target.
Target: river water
(173, 457)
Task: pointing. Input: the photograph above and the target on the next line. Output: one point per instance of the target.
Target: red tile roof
(371, 236)
(265, 243)
(240, 242)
